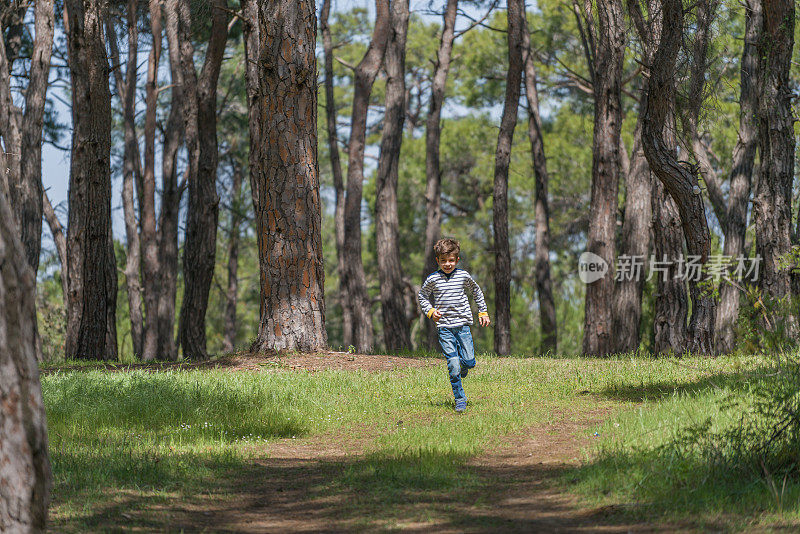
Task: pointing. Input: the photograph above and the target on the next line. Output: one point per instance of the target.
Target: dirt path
(295, 489)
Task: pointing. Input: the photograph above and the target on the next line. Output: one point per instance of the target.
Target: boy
(452, 313)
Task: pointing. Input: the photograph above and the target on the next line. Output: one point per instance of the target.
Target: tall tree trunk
(147, 202)
(679, 181)
(433, 135)
(634, 244)
(171, 194)
(27, 479)
(229, 341)
(92, 269)
(741, 174)
(336, 169)
(22, 132)
(29, 204)
(130, 170)
(284, 175)
(771, 205)
(544, 286)
(203, 209)
(607, 81)
(396, 333)
(502, 255)
(354, 278)
(671, 304)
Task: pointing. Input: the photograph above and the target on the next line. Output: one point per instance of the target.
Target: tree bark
(544, 286)
(29, 203)
(433, 135)
(336, 169)
(284, 175)
(147, 203)
(171, 194)
(396, 333)
(229, 341)
(608, 59)
(502, 255)
(130, 170)
(634, 243)
(741, 174)
(354, 278)
(678, 180)
(200, 129)
(22, 132)
(772, 202)
(705, 10)
(26, 476)
(91, 266)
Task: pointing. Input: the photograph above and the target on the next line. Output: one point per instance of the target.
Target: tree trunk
(544, 286)
(200, 128)
(29, 204)
(396, 333)
(634, 244)
(671, 305)
(27, 479)
(284, 174)
(355, 280)
(771, 205)
(229, 341)
(502, 276)
(22, 132)
(147, 203)
(92, 269)
(678, 180)
(741, 175)
(336, 168)
(171, 194)
(130, 170)
(608, 58)
(433, 135)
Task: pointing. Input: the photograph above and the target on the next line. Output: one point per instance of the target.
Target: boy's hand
(436, 315)
(484, 320)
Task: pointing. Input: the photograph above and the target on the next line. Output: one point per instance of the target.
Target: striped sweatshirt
(450, 298)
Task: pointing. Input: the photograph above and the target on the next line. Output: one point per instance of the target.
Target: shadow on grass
(669, 482)
(413, 490)
(733, 381)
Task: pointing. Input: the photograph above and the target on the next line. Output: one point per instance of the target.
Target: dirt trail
(296, 484)
(294, 490)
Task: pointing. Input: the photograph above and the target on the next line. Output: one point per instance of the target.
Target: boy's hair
(446, 246)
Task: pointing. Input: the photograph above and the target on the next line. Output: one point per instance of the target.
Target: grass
(145, 448)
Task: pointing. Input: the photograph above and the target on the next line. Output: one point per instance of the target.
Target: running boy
(452, 313)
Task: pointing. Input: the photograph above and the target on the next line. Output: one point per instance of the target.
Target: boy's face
(447, 262)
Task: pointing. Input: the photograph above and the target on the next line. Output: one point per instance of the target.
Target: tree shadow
(732, 381)
(417, 491)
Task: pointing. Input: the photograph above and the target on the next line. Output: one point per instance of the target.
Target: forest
(196, 181)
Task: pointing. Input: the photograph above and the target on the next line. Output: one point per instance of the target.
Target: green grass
(132, 444)
(677, 454)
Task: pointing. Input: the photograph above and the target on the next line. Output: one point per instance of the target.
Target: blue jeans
(458, 350)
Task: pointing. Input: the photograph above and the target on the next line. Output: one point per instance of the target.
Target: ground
(288, 485)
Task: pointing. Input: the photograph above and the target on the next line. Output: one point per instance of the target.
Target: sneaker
(464, 372)
(461, 405)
